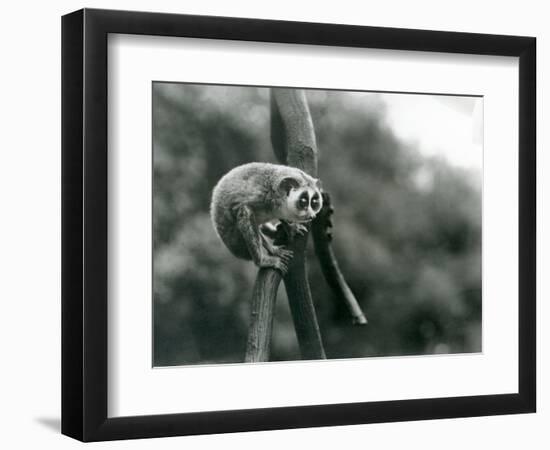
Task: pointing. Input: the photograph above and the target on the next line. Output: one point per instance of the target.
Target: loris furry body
(250, 196)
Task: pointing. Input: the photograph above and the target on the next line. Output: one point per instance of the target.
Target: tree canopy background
(407, 231)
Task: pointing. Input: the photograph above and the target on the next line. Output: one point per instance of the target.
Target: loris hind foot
(277, 262)
(272, 249)
(278, 257)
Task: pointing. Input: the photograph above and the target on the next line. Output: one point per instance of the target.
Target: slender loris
(249, 198)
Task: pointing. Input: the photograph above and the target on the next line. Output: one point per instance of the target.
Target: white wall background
(30, 225)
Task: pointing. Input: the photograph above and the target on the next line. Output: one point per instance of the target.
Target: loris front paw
(287, 231)
(297, 229)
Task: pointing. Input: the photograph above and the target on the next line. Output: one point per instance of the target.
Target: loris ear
(288, 183)
(318, 184)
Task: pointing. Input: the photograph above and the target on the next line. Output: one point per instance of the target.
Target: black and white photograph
(308, 224)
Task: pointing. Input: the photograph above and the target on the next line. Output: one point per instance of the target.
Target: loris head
(303, 198)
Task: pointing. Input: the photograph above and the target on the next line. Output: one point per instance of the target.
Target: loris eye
(303, 202)
(314, 203)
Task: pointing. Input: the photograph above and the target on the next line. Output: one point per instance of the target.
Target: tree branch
(261, 318)
(293, 140)
(322, 238)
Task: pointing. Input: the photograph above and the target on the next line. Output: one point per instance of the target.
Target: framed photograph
(273, 224)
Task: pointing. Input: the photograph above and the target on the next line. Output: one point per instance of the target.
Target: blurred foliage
(407, 232)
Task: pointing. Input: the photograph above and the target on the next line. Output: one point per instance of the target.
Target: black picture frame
(84, 224)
